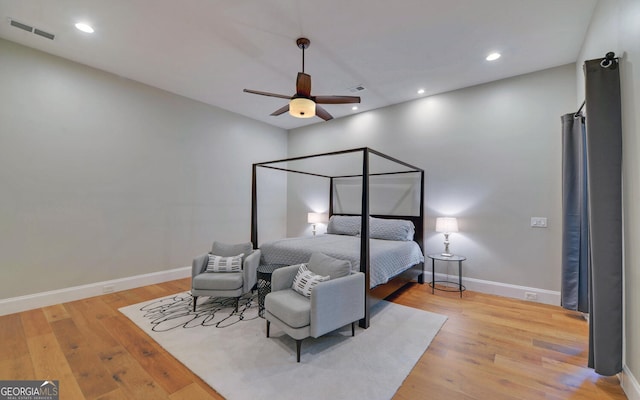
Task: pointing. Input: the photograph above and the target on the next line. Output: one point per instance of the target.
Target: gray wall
(103, 177)
(615, 27)
(492, 158)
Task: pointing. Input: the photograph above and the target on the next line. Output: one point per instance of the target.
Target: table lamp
(315, 218)
(446, 225)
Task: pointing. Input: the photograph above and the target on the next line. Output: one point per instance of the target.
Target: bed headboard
(417, 220)
(418, 223)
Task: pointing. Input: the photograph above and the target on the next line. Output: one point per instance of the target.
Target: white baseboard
(629, 384)
(37, 300)
(28, 302)
(502, 289)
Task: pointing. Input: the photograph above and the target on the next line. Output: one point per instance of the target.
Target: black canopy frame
(381, 291)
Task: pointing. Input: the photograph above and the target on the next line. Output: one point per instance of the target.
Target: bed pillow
(306, 280)
(344, 225)
(391, 229)
(325, 265)
(224, 264)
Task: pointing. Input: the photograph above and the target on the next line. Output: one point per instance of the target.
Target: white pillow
(305, 280)
(224, 264)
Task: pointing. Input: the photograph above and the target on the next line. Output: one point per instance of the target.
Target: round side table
(264, 283)
(458, 285)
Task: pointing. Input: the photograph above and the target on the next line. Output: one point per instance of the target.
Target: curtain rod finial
(609, 61)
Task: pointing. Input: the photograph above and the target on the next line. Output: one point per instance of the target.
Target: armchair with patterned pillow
(315, 298)
(229, 270)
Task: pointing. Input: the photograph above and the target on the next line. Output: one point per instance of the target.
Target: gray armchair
(225, 284)
(332, 304)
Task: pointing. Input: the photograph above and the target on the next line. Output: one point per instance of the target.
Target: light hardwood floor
(489, 348)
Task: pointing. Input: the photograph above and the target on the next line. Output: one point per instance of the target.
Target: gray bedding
(388, 257)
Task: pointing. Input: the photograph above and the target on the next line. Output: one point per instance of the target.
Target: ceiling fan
(303, 104)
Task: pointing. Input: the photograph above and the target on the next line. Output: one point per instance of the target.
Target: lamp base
(446, 253)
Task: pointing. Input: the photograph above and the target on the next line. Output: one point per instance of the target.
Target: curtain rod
(577, 114)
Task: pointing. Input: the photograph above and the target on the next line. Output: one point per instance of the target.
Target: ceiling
(209, 50)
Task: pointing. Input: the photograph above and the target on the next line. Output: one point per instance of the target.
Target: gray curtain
(604, 163)
(575, 217)
(592, 214)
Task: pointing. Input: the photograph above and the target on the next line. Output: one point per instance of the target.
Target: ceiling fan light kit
(302, 108)
(302, 104)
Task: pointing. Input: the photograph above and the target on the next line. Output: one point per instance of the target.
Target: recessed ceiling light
(493, 56)
(354, 108)
(84, 27)
(420, 91)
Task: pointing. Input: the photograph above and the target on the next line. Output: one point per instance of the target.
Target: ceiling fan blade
(322, 113)
(282, 96)
(303, 85)
(280, 110)
(336, 99)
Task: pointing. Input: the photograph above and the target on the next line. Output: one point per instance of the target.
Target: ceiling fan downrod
(303, 43)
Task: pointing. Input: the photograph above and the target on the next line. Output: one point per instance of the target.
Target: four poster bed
(386, 248)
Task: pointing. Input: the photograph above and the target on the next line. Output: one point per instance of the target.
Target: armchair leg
(353, 328)
(298, 345)
(237, 301)
(195, 299)
(268, 326)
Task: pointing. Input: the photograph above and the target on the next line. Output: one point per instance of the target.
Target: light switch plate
(539, 222)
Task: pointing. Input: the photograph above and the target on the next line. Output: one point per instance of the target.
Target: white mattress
(388, 258)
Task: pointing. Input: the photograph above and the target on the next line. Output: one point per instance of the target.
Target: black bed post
(330, 196)
(364, 237)
(254, 208)
(421, 227)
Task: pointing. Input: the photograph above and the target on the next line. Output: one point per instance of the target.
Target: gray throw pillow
(344, 225)
(230, 250)
(324, 265)
(391, 229)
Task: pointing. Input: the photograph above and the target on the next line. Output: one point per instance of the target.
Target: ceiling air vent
(356, 89)
(44, 34)
(20, 25)
(31, 29)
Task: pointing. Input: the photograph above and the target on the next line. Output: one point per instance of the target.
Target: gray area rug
(230, 351)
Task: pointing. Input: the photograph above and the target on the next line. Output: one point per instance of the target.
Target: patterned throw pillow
(224, 264)
(344, 225)
(391, 229)
(305, 280)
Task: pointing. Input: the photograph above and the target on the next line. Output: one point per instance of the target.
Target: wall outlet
(530, 296)
(539, 222)
(108, 288)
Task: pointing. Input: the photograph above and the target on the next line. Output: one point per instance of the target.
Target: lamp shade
(302, 108)
(446, 224)
(315, 218)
